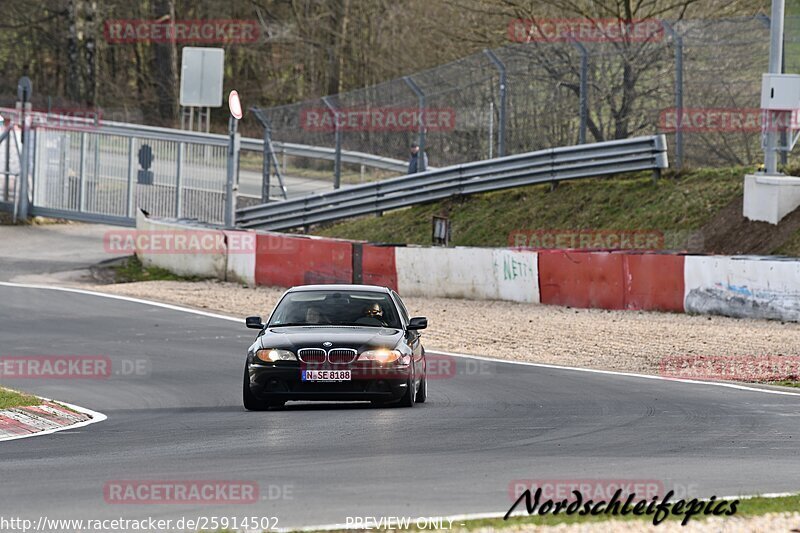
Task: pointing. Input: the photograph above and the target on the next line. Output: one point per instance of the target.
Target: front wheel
(251, 403)
(422, 393)
(407, 400)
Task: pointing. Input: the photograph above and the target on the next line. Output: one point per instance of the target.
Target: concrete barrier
(377, 263)
(228, 255)
(745, 287)
(285, 261)
(612, 280)
(581, 279)
(478, 273)
(653, 282)
(241, 257)
(753, 287)
(210, 263)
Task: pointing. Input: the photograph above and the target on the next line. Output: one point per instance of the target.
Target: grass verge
(678, 202)
(11, 398)
(787, 383)
(132, 269)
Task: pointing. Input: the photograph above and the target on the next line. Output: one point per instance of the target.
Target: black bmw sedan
(336, 343)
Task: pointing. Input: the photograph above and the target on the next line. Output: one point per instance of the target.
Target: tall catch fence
(697, 81)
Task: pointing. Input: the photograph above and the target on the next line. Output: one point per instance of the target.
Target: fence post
(677, 40)
(24, 92)
(266, 164)
(23, 164)
(501, 126)
(179, 182)
(9, 133)
(337, 160)
(775, 67)
(421, 96)
(82, 175)
(233, 158)
(582, 93)
(129, 196)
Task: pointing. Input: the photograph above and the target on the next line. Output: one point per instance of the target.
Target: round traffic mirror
(235, 105)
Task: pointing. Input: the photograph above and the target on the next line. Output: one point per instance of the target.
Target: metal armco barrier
(544, 166)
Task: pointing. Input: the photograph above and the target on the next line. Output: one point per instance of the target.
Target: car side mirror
(418, 322)
(254, 322)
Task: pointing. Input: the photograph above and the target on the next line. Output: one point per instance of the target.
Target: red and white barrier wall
(757, 287)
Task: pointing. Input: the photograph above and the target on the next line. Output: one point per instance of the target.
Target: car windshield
(335, 308)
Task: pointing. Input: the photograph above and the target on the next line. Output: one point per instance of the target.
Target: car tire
(250, 402)
(422, 393)
(407, 400)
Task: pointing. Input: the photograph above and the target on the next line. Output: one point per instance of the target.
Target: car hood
(360, 338)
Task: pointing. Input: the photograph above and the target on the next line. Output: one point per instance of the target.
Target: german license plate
(326, 375)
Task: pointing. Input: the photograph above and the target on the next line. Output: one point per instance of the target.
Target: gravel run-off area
(633, 341)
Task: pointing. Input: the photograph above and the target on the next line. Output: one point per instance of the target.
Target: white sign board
(201, 77)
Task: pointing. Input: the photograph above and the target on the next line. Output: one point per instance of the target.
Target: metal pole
(421, 96)
(784, 153)
(775, 60)
(233, 157)
(677, 40)
(582, 94)
(501, 126)
(178, 182)
(8, 160)
(23, 163)
(82, 175)
(266, 167)
(130, 191)
(337, 161)
(491, 127)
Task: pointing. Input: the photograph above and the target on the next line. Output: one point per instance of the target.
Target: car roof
(339, 287)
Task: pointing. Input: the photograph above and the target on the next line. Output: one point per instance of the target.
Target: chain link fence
(556, 94)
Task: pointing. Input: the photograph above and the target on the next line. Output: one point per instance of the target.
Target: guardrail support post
(230, 185)
(337, 161)
(501, 126)
(677, 40)
(421, 96)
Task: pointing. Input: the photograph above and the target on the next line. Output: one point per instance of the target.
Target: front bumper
(283, 382)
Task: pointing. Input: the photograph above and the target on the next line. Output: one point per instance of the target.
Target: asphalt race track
(483, 428)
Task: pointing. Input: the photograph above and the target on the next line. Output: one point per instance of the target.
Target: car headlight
(380, 356)
(270, 355)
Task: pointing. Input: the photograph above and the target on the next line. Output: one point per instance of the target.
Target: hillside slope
(698, 211)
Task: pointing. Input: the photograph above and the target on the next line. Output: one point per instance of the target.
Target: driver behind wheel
(372, 314)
